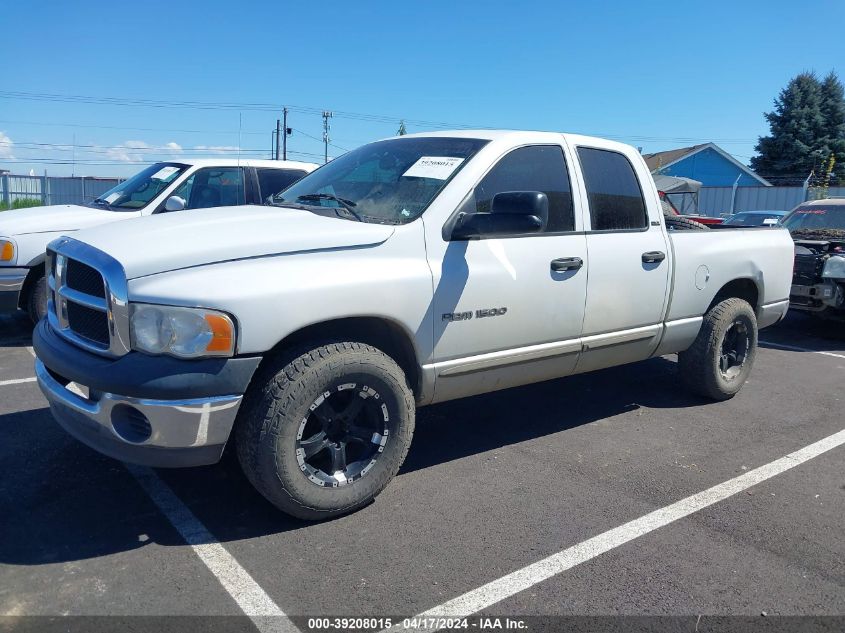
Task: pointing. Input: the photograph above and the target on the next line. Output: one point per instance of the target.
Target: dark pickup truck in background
(818, 281)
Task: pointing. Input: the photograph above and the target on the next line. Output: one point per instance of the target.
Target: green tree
(795, 145)
(833, 112)
(402, 131)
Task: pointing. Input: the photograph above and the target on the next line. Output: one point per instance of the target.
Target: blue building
(708, 163)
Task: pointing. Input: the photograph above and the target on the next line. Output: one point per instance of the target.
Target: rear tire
(718, 363)
(677, 223)
(325, 428)
(36, 300)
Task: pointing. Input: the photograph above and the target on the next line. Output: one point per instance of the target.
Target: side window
(272, 181)
(213, 187)
(535, 168)
(616, 200)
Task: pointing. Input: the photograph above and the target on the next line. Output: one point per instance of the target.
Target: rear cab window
(613, 191)
(274, 181)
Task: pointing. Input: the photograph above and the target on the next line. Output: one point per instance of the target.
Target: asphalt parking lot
(492, 485)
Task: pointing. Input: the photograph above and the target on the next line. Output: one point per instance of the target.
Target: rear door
(629, 261)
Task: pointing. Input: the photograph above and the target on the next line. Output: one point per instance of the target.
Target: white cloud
(141, 151)
(216, 149)
(6, 146)
(125, 154)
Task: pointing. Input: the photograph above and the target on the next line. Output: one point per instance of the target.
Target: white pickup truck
(409, 271)
(161, 187)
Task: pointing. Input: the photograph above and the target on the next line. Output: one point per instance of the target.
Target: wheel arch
(36, 270)
(385, 334)
(744, 288)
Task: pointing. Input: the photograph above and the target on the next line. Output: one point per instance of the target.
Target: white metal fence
(717, 201)
(52, 189)
(714, 201)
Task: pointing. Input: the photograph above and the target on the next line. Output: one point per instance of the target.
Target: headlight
(182, 332)
(7, 251)
(834, 268)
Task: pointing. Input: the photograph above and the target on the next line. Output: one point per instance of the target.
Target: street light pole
(326, 116)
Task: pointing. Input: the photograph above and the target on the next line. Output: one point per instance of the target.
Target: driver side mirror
(511, 213)
(175, 203)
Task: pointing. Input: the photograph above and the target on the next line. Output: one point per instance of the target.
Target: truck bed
(706, 261)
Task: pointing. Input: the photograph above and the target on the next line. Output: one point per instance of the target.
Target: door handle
(653, 256)
(566, 263)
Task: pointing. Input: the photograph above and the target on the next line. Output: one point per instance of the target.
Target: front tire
(325, 429)
(718, 363)
(36, 299)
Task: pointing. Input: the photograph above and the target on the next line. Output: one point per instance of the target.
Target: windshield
(815, 218)
(137, 192)
(389, 182)
(752, 219)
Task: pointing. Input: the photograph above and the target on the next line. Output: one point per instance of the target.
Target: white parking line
(801, 349)
(522, 579)
(16, 381)
(248, 594)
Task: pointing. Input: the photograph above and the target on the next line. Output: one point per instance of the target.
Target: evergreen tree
(794, 147)
(402, 131)
(833, 112)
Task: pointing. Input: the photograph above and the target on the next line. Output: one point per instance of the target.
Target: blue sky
(652, 73)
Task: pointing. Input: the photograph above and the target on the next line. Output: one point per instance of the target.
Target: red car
(670, 208)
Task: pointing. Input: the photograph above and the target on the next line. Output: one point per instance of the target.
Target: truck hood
(59, 217)
(161, 243)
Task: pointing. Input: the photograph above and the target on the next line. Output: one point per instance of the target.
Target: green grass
(21, 203)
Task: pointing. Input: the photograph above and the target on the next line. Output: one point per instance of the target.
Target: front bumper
(177, 413)
(161, 433)
(11, 283)
(816, 297)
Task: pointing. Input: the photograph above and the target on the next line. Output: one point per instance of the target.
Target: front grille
(83, 278)
(807, 269)
(88, 302)
(88, 323)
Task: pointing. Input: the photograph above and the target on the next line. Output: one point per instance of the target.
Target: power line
(379, 118)
(376, 118)
(159, 149)
(112, 162)
(125, 129)
(321, 140)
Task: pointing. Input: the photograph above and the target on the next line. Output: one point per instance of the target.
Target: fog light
(130, 424)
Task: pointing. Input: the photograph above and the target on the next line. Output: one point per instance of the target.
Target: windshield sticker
(112, 197)
(437, 167)
(812, 211)
(165, 173)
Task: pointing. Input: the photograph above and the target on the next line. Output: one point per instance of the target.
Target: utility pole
(285, 137)
(278, 131)
(326, 116)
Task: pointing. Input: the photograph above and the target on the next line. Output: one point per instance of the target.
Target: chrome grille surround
(115, 304)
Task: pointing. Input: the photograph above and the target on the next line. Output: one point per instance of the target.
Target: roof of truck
(493, 135)
(233, 161)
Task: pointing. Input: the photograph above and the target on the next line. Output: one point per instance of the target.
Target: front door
(508, 310)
